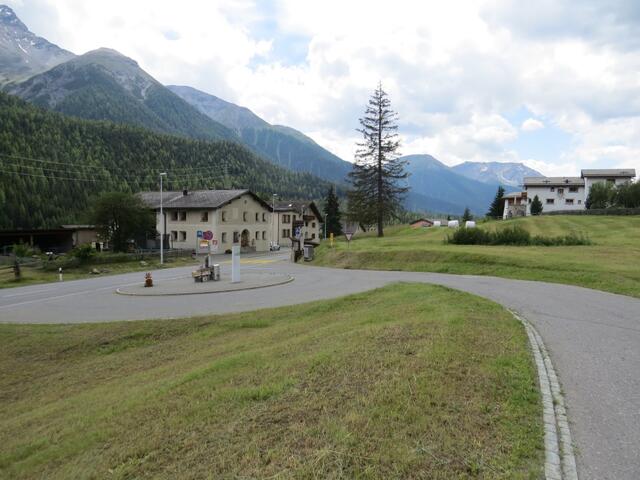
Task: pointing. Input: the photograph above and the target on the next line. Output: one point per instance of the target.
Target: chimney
(185, 192)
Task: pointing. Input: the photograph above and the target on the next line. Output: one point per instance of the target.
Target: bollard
(59, 274)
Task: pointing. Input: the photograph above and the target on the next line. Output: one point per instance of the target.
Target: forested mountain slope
(51, 165)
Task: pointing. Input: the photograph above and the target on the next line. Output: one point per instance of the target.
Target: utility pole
(163, 174)
(273, 215)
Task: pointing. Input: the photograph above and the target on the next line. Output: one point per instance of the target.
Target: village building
(204, 220)
(288, 214)
(514, 205)
(421, 222)
(566, 193)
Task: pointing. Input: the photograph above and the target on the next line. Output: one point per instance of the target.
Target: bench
(202, 273)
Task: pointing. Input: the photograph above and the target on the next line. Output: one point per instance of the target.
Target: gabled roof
(515, 195)
(298, 207)
(553, 181)
(609, 172)
(212, 199)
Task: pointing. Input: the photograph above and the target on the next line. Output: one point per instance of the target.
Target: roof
(609, 172)
(421, 220)
(298, 207)
(553, 181)
(196, 199)
(78, 227)
(515, 195)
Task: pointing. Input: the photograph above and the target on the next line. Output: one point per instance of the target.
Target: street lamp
(273, 213)
(163, 174)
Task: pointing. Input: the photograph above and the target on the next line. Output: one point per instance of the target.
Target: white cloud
(454, 70)
(531, 125)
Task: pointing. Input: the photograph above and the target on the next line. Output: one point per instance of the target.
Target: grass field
(409, 381)
(610, 263)
(33, 276)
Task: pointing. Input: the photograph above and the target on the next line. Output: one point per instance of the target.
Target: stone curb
(560, 462)
(255, 287)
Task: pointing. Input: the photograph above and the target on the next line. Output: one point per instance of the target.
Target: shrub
(83, 253)
(514, 235)
(469, 236)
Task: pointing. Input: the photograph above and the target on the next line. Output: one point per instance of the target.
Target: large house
(289, 213)
(562, 193)
(201, 219)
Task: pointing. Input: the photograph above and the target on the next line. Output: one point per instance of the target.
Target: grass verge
(408, 381)
(609, 263)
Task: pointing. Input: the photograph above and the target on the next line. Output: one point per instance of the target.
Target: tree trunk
(380, 205)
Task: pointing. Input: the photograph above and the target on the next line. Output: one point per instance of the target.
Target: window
(257, 235)
(552, 189)
(286, 233)
(550, 201)
(294, 218)
(313, 225)
(204, 217)
(306, 224)
(264, 234)
(244, 216)
(224, 216)
(183, 216)
(174, 235)
(264, 217)
(313, 235)
(236, 237)
(286, 218)
(560, 191)
(579, 202)
(256, 216)
(569, 201)
(174, 216)
(224, 237)
(573, 189)
(183, 236)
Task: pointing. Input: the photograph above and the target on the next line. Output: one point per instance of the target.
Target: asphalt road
(593, 337)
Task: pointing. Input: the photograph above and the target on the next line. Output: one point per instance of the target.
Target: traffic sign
(199, 234)
(349, 236)
(208, 235)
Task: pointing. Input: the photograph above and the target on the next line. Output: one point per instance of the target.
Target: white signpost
(235, 264)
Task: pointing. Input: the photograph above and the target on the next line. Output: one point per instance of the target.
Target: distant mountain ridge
(22, 53)
(105, 85)
(496, 173)
(282, 145)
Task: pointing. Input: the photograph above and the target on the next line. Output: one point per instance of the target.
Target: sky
(554, 84)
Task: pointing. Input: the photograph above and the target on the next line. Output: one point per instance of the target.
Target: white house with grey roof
(221, 217)
(570, 193)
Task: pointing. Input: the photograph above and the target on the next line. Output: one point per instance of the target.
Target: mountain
(23, 54)
(441, 189)
(496, 173)
(282, 145)
(51, 165)
(105, 85)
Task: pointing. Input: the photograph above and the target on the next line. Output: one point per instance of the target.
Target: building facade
(569, 193)
(212, 219)
(287, 214)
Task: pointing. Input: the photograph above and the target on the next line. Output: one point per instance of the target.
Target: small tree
(332, 212)
(378, 174)
(466, 216)
(494, 209)
(122, 217)
(628, 195)
(536, 206)
(601, 195)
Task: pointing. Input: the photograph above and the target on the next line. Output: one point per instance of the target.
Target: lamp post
(273, 214)
(163, 174)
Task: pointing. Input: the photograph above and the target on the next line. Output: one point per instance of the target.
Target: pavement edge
(560, 463)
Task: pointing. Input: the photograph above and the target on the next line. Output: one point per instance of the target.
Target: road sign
(199, 234)
(213, 246)
(349, 236)
(208, 235)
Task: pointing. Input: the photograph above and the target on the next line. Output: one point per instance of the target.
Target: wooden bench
(202, 273)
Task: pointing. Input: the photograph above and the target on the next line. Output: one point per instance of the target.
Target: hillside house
(286, 213)
(195, 220)
(570, 193)
(514, 205)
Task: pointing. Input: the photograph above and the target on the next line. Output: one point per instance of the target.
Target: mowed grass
(610, 263)
(408, 381)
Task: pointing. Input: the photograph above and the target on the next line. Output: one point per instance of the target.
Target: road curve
(593, 337)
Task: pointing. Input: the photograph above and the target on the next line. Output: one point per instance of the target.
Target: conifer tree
(494, 209)
(378, 174)
(332, 212)
(536, 206)
(466, 216)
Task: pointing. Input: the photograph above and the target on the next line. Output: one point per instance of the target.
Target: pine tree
(494, 209)
(378, 174)
(332, 212)
(536, 206)
(466, 216)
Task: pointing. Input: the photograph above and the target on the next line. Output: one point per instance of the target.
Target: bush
(514, 235)
(84, 253)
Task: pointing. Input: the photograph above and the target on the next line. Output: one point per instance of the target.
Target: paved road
(593, 337)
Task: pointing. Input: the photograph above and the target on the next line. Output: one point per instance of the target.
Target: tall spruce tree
(378, 174)
(332, 212)
(536, 206)
(494, 209)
